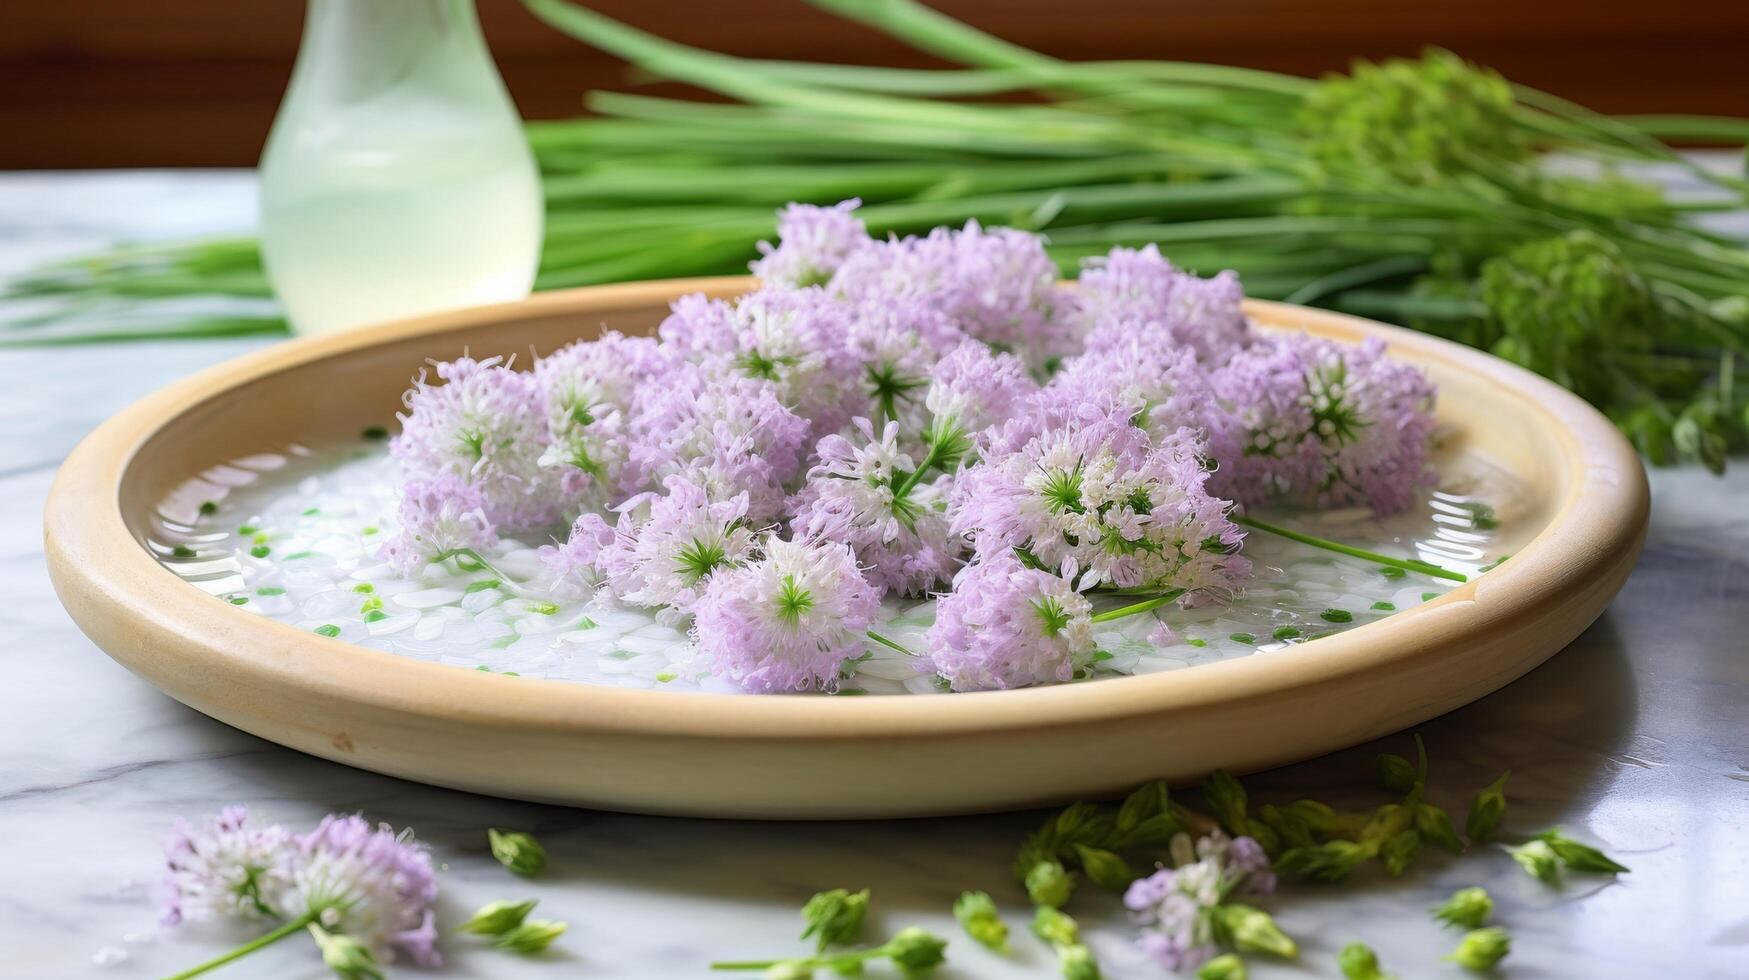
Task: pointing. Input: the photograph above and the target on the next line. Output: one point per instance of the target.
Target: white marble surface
(1636, 737)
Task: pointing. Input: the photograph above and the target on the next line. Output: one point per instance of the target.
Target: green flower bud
(1226, 797)
(977, 915)
(1149, 800)
(1482, 949)
(1054, 927)
(346, 956)
(1049, 884)
(1324, 821)
(1396, 773)
(532, 937)
(1227, 966)
(1330, 861)
(1467, 908)
(916, 952)
(1154, 832)
(1077, 963)
(495, 918)
(1434, 826)
(1289, 828)
(1252, 930)
(1579, 857)
(1537, 858)
(835, 916)
(1104, 868)
(1357, 961)
(517, 851)
(1486, 811)
(1400, 851)
(1387, 822)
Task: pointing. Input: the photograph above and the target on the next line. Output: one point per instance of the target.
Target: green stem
(1407, 564)
(1137, 608)
(888, 641)
(296, 925)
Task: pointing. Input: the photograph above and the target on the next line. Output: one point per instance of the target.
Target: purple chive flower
(812, 242)
(225, 869)
(898, 344)
(1136, 295)
(666, 548)
(586, 390)
(486, 425)
(1164, 388)
(1318, 423)
(437, 516)
(730, 433)
(1094, 499)
(794, 340)
(1006, 625)
(974, 388)
(575, 563)
(998, 285)
(788, 621)
(1173, 905)
(375, 885)
(853, 496)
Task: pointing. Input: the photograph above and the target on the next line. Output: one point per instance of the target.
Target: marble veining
(1636, 736)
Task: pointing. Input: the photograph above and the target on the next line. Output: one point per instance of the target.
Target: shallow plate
(1579, 528)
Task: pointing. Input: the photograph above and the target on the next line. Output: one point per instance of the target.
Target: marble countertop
(1635, 737)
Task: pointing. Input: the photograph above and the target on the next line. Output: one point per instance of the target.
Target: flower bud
(1400, 851)
(1486, 811)
(977, 915)
(517, 851)
(916, 951)
(1049, 884)
(1251, 930)
(835, 916)
(1077, 963)
(1104, 868)
(1396, 773)
(1434, 826)
(496, 918)
(1467, 908)
(532, 936)
(1482, 949)
(1357, 961)
(1054, 927)
(1226, 797)
(1149, 800)
(1227, 966)
(346, 956)
(1330, 861)
(1537, 858)
(1579, 857)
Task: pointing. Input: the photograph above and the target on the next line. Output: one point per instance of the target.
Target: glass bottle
(397, 179)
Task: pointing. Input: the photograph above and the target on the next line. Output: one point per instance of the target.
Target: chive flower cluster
(928, 416)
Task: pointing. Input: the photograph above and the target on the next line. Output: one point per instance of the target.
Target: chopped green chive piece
(312, 511)
(364, 588)
(182, 551)
(208, 508)
(511, 673)
(1389, 572)
(663, 677)
(1383, 606)
(1242, 638)
(1197, 641)
(620, 654)
(481, 586)
(587, 624)
(544, 608)
(372, 604)
(300, 554)
(247, 529)
(270, 590)
(375, 615)
(1285, 633)
(260, 537)
(239, 600)
(373, 529)
(484, 668)
(1429, 596)
(1336, 616)
(261, 551)
(375, 433)
(503, 641)
(1101, 655)
(328, 629)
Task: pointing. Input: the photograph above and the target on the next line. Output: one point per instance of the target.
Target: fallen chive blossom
(977, 915)
(1483, 949)
(835, 918)
(1357, 961)
(518, 851)
(1186, 910)
(1579, 857)
(496, 918)
(1467, 908)
(1049, 884)
(530, 937)
(1227, 966)
(1538, 860)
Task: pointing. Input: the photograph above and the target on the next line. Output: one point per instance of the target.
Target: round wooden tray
(807, 757)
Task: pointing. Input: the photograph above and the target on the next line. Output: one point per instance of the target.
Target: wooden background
(99, 83)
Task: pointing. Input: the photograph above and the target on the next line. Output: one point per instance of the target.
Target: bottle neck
(354, 50)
